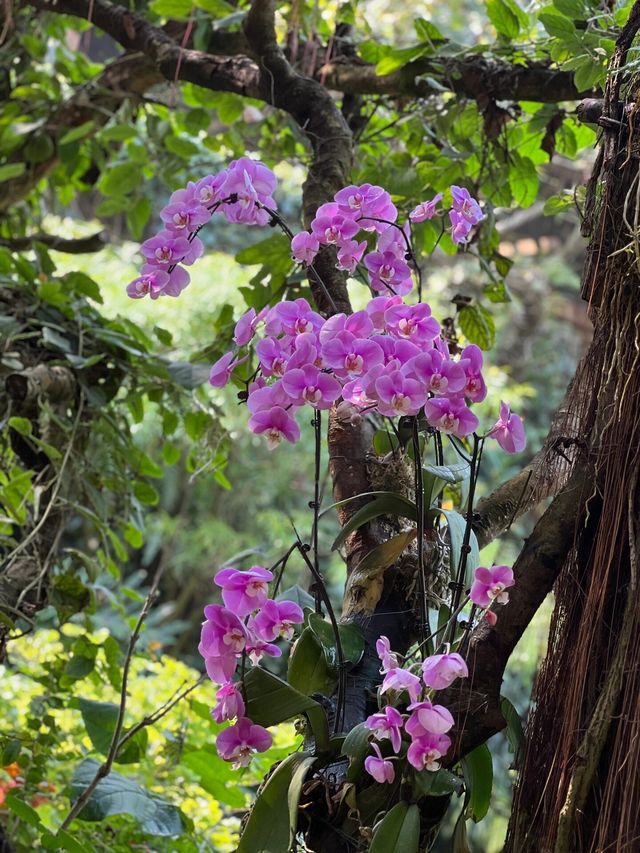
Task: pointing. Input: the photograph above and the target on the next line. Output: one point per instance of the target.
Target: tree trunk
(579, 786)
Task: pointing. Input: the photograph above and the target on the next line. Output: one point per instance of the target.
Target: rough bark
(579, 788)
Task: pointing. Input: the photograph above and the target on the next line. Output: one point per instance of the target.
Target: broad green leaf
(386, 503)
(523, 181)
(272, 821)
(117, 794)
(557, 25)
(214, 775)
(503, 18)
(145, 493)
(558, 203)
(514, 730)
(477, 325)
(77, 133)
(12, 170)
(450, 473)
(351, 638)
(62, 840)
(298, 595)
(23, 810)
(190, 376)
(571, 8)
(588, 74)
(308, 671)
(438, 784)
(21, 425)
(399, 830)
(356, 746)
(478, 774)
(100, 722)
(270, 701)
(366, 581)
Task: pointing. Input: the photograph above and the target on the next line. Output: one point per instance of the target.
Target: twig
(105, 767)
(159, 713)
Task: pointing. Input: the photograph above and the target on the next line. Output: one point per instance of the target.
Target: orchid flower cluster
(425, 723)
(390, 357)
(246, 626)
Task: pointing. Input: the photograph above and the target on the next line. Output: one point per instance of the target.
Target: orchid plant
(392, 359)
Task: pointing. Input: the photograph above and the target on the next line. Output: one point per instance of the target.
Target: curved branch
(476, 700)
(76, 246)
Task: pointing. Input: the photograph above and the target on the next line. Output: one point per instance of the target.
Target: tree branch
(77, 246)
(476, 700)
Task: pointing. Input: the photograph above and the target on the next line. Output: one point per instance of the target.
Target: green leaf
(11, 751)
(23, 810)
(477, 325)
(351, 639)
(450, 473)
(117, 794)
(214, 775)
(77, 133)
(385, 503)
(138, 216)
(12, 170)
(190, 376)
(270, 701)
(438, 784)
(356, 746)
(100, 722)
(496, 291)
(308, 671)
(172, 8)
(273, 818)
(399, 830)
(588, 75)
(478, 773)
(145, 493)
(21, 425)
(504, 18)
(120, 180)
(557, 25)
(514, 730)
(571, 8)
(558, 203)
(523, 180)
(298, 595)
(62, 840)
(366, 581)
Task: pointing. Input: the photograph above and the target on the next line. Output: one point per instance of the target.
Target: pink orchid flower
(168, 248)
(304, 247)
(350, 356)
(425, 210)
(367, 203)
(428, 719)
(184, 216)
(276, 619)
(438, 374)
(388, 658)
(413, 322)
(380, 768)
(440, 671)
(451, 416)
(229, 704)
(466, 206)
(275, 424)
(398, 680)
(388, 273)
(508, 431)
(490, 585)
(243, 592)
(221, 371)
(222, 631)
(425, 752)
(332, 226)
(350, 254)
(309, 385)
(377, 307)
(297, 317)
(471, 361)
(387, 724)
(239, 742)
(398, 395)
(247, 325)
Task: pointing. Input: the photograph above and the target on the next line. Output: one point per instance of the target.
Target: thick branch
(476, 701)
(77, 246)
